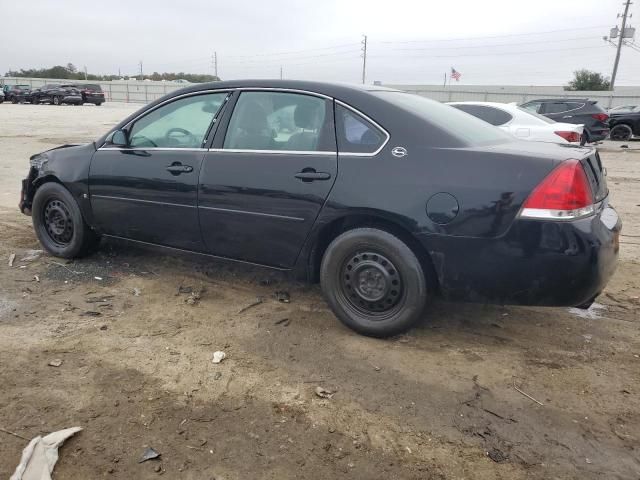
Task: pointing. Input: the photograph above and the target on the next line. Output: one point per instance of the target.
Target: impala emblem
(398, 152)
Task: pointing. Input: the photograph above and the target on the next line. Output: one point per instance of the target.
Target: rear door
(263, 183)
(147, 191)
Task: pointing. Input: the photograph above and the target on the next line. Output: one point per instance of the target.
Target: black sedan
(384, 197)
(624, 125)
(56, 94)
(17, 93)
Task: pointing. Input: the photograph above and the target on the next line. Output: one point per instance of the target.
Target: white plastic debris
(324, 393)
(218, 356)
(12, 257)
(41, 455)
(591, 313)
(31, 255)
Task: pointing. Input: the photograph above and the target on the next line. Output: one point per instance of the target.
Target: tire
(58, 223)
(98, 104)
(34, 101)
(621, 132)
(373, 282)
(56, 101)
(14, 100)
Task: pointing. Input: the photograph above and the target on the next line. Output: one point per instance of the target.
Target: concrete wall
(519, 94)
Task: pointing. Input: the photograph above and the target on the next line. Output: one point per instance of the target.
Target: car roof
(572, 99)
(326, 88)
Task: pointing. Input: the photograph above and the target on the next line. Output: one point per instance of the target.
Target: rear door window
(491, 115)
(356, 134)
(535, 107)
(280, 121)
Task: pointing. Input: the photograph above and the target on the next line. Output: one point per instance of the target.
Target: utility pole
(141, 74)
(280, 72)
(364, 58)
(119, 73)
(620, 41)
(85, 72)
(214, 61)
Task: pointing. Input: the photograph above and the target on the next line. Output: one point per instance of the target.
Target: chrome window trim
(285, 90)
(374, 123)
(246, 212)
(170, 149)
(274, 152)
(177, 97)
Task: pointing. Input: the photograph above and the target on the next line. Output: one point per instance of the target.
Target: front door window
(180, 124)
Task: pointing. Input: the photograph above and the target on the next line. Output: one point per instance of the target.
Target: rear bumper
(93, 98)
(73, 99)
(598, 134)
(534, 263)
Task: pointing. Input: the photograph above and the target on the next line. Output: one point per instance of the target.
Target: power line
(591, 37)
(490, 54)
(494, 36)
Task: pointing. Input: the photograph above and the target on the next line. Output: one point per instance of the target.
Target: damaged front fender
(68, 165)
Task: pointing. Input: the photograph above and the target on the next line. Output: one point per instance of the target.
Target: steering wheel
(183, 132)
(140, 141)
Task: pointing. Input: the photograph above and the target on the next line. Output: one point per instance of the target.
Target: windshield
(469, 129)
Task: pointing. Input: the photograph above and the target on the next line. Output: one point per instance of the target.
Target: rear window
(491, 115)
(93, 88)
(468, 129)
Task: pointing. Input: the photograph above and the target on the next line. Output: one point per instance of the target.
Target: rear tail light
(564, 194)
(601, 117)
(569, 136)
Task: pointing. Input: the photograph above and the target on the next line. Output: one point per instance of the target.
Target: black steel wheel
(373, 282)
(622, 132)
(59, 224)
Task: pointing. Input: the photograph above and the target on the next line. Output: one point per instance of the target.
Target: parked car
(522, 123)
(386, 197)
(91, 93)
(624, 125)
(17, 93)
(575, 110)
(1, 97)
(622, 108)
(56, 94)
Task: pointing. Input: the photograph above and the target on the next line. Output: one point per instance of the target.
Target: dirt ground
(438, 403)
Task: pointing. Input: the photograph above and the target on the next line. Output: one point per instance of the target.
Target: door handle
(309, 175)
(178, 168)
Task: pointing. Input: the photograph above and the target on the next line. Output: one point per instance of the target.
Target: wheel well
(330, 231)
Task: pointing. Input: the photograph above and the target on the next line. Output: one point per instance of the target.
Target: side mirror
(119, 138)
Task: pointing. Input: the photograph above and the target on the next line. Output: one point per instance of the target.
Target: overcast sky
(410, 42)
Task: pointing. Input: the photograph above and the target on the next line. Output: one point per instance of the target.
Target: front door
(147, 191)
(263, 184)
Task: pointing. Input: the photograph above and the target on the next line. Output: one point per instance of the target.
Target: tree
(588, 80)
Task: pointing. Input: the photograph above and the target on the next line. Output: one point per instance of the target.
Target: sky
(489, 42)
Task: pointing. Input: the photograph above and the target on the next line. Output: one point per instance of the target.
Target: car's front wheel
(373, 282)
(57, 101)
(59, 224)
(621, 132)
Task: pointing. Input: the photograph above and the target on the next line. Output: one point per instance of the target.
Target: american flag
(455, 74)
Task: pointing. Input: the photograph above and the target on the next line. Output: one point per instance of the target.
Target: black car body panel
(17, 93)
(580, 111)
(630, 118)
(455, 203)
(51, 93)
(91, 93)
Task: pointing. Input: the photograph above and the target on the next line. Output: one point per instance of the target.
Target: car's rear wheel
(621, 132)
(98, 104)
(58, 223)
(57, 101)
(14, 100)
(34, 101)
(373, 282)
